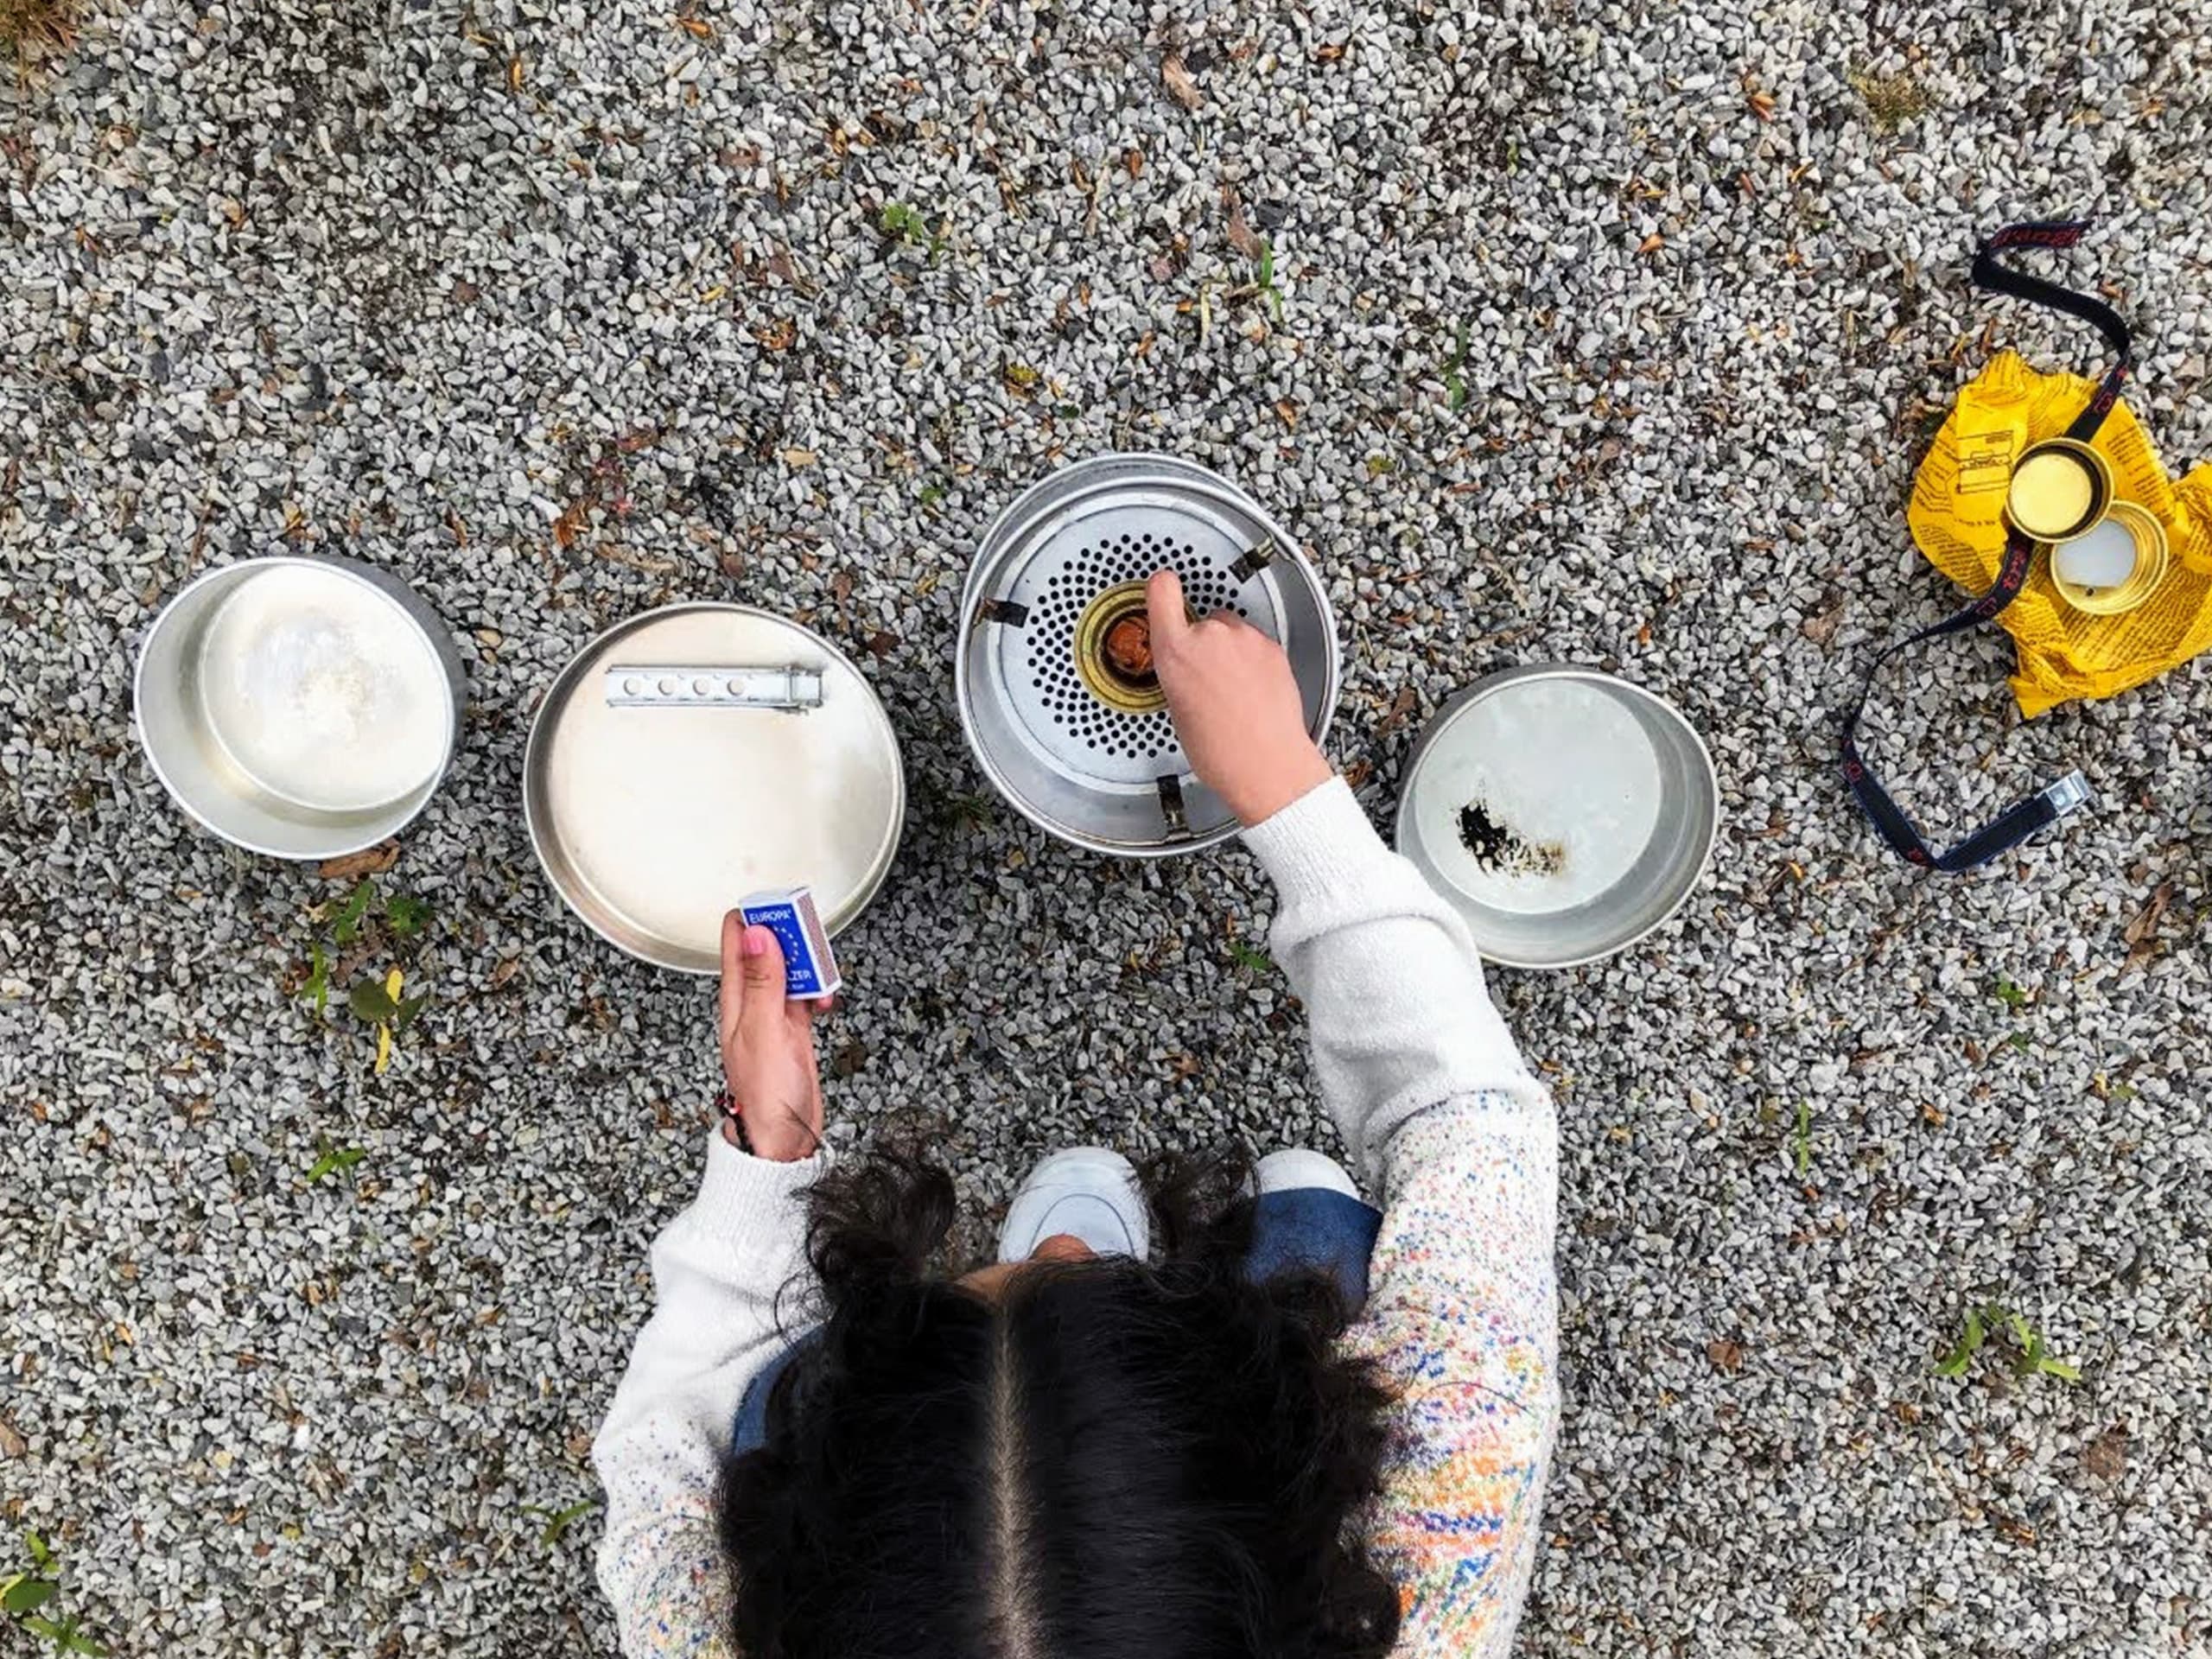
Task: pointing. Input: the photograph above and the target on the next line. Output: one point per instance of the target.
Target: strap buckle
(2070, 794)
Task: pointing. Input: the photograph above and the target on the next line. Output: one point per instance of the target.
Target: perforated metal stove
(1055, 689)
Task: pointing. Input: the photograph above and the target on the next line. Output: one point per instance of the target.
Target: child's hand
(1236, 705)
(767, 1046)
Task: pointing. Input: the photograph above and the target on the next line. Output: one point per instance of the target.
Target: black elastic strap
(2053, 801)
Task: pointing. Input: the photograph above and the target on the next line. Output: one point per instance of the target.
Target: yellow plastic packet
(1957, 517)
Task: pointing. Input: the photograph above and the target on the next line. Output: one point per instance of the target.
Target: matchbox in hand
(809, 969)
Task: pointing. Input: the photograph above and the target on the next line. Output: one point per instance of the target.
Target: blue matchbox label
(808, 968)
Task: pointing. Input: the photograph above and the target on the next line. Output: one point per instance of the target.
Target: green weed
(1892, 100)
(907, 228)
(1263, 278)
(559, 1520)
(1244, 956)
(23, 1596)
(1455, 384)
(330, 1158)
(2031, 1355)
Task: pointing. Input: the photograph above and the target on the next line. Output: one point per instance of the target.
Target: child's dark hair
(1112, 1460)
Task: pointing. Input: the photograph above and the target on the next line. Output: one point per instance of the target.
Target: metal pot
(301, 707)
(1078, 742)
(1564, 813)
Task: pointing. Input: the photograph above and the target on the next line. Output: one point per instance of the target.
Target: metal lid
(1053, 669)
(701, 752)
(2116, 565)
(2058, 490)
(1562, 812)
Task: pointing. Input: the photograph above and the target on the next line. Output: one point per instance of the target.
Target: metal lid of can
(2114, 564)
(700, 753)
(2058, 490)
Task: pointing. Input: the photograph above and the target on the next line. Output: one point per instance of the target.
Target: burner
(1057, 691)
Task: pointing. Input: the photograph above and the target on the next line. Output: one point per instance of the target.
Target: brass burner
(1113, 651)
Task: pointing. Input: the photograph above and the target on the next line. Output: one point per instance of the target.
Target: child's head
(1092, 1457)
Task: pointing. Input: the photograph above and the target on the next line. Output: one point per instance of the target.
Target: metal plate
(1070, 761)
(1564, 813)
(652, 820)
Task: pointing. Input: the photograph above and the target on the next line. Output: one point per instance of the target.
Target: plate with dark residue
(1564, 813)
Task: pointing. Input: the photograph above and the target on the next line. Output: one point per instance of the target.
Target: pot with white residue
(304, 708)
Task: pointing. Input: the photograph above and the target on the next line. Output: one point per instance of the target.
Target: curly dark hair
(1111, 1460)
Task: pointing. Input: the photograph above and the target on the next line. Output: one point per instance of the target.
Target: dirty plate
(1563, 812)
(701, 752)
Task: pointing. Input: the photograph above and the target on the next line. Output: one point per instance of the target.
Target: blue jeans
(1299, 1227)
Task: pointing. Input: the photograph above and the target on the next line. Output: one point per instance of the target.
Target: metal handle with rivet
(792, 688)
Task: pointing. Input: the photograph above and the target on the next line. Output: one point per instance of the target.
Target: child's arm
(718, 1269)
(1460, 1144)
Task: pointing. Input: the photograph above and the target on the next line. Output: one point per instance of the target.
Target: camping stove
(1054, 667)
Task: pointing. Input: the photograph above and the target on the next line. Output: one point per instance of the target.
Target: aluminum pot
(303, 706)
(1563, 812)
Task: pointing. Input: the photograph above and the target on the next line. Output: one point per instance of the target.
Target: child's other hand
(1236, 704)
(767, 1046)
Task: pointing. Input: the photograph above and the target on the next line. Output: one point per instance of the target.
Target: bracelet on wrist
(728, 1110)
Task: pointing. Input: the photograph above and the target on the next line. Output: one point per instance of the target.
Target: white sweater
(1446, 1126)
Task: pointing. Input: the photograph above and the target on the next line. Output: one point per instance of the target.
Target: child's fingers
(762, 958)
(731, 1004)
(1163, 602)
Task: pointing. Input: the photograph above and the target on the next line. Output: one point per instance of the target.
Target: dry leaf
(1133, 159)
(1820, 627)
(505, 972)
(841, 586)
(1240, 236)
(778, 336)
(847, 1060)
(373, 861)
(883, 642)
(514, 73)
(1726, 1356)
(1651, 244)
(798, 457)
(1179, 81)
(1288, 411)
(1763, 105)
(697, 27)
(1329, 52)
(2106, 1457)
(12, 1444)
(2142, 933)
(1399, 709)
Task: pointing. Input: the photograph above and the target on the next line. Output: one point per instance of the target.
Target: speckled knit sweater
(1446, 1126)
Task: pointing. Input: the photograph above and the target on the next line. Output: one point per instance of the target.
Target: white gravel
(413, 283)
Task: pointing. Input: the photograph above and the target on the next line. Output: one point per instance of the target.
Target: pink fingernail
(756, 941)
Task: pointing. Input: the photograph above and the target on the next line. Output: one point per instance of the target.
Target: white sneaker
(1297, 1167)
(1089, 1192)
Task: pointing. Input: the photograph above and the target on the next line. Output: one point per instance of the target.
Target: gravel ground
(563, 311)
